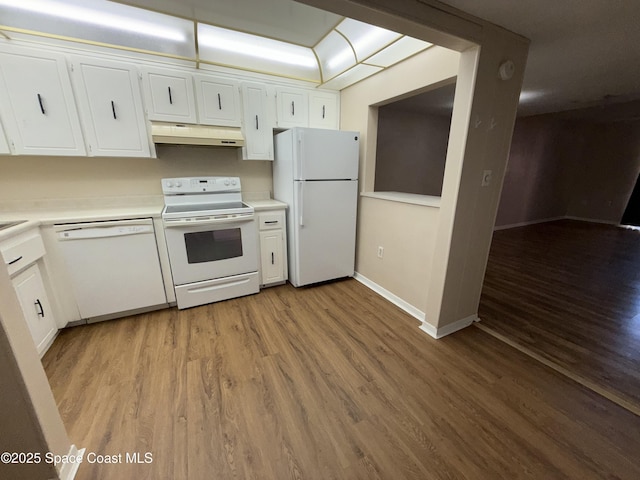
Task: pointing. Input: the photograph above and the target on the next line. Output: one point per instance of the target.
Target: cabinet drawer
(22, 250)
(270, 221)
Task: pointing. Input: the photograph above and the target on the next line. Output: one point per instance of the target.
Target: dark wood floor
(570, 292)
(330, 382)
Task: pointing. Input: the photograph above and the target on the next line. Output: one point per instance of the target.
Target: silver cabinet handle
(257, 125)
(113, 109)
(323, 111)
(170, 99)
(219, 102)
(273, 259)
(293, 108)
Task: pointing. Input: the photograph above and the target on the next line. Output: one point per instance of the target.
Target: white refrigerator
(316, 173)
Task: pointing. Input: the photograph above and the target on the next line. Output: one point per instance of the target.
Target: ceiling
(583, 53)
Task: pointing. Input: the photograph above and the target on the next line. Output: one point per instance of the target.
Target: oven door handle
(170, 223)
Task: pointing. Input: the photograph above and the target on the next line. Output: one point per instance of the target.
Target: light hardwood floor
(569, 291)
(328, 382)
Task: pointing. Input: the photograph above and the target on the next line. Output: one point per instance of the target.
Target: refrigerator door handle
(299, 156)
(301, 202)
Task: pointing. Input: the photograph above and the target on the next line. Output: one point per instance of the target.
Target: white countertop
(82, 210)
(22, 227)
(79, 210)
(264, 205)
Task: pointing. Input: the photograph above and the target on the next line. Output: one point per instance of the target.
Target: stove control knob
(169, 184)
(226, 182)
(178, 184)
(233, 182)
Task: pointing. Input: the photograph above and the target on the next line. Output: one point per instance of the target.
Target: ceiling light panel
(351, 76)
(398, 51)
(335, 54)
(103, 22)
(242, 50)
(366, 39)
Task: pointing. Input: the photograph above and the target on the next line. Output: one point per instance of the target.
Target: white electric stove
(211, 239)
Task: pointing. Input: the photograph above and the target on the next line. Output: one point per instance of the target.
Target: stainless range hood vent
(183, 134)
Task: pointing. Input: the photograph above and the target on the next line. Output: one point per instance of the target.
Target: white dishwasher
(113, 265)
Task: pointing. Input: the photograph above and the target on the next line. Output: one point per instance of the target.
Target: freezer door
(325, 154)
(325, 231)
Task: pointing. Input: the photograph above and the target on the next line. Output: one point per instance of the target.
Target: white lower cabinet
(36, 307)
(273, 247)
(21, 254)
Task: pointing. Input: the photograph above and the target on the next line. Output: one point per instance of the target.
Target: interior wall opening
(412, 137)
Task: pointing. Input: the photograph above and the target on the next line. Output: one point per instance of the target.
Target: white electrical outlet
(380, 252)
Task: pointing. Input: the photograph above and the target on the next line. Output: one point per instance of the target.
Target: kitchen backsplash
(38, 178)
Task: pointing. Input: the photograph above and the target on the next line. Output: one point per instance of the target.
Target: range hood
(184, 134)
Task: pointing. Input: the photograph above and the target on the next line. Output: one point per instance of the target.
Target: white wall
(405, 231)
(36, 177)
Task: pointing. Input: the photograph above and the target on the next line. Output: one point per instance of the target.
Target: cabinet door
(111, 108)
(257, 126)
(218, 101)
(291, 106)
(4, 146)
(37, 104)
(272, 257)
(169, 95)
(35, 306)
(324, 110)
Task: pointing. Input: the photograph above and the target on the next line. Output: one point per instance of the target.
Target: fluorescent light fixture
(263, 48)
(397, 51)
(93, 16)
(335, 54)
(343, 57)
(366, 39)
(351, 76)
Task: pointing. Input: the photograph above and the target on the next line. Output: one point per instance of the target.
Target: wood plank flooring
(569, 291)
(328, 382)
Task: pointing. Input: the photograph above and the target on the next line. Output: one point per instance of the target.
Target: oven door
(211, 248)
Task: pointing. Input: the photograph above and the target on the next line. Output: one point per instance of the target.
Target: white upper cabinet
(324, 110)
(169, 95)
(218, 101)
(292, 107)
(37, 104)
(257, 124)
(4, 146)
(110, 106)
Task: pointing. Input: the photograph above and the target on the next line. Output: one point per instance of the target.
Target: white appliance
(316, 173)
(114, 266)
(211, 239)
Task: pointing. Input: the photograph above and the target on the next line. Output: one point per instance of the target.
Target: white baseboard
(450, 328)
(416, 313)
(524, 224)
(397, 301)
(68, 470)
